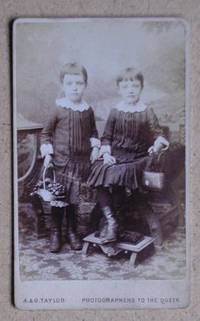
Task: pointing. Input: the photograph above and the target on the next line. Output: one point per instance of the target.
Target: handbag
(153, 179)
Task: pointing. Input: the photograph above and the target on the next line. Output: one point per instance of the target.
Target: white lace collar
(138, 107)
(65, 103)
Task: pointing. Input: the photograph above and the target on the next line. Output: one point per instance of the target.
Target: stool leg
(132, 260)
(85, 248)
(155, 228)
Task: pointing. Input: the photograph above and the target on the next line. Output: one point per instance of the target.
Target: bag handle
(156, 157)
(44, 175)
(163, 150)
(149, 161)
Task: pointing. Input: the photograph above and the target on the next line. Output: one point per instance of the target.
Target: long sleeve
(94, 141)
(46, 136)
(153, 123)
(107, 137)
(94, 132)
(156, 130)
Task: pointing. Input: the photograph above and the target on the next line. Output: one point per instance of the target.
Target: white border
(100, 288)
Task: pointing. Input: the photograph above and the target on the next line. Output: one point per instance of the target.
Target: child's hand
(94, 154)
(47, 160)
(156, 148)
(151, 150)
(108, 159)
(161, 143)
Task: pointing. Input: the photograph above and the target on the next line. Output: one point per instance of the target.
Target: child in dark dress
(132, 132)
(70, 140)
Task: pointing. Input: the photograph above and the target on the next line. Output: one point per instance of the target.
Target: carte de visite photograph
(100, 155)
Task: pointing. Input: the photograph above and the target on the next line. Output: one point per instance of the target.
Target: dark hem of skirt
(123, 174)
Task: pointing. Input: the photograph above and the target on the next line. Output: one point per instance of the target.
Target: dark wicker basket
(50, 192)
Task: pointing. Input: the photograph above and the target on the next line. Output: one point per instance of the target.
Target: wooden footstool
(133, 249)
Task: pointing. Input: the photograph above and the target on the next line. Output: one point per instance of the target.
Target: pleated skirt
(73, 175)
(126, 174)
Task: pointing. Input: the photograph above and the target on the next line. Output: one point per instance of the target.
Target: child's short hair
(131, 74)
(73, 69)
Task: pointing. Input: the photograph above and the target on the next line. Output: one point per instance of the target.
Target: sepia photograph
(100, 163)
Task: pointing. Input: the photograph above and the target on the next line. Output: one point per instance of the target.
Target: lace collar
(65, 103)
(138, 107)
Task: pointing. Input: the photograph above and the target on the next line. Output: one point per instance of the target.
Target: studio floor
(37, 263)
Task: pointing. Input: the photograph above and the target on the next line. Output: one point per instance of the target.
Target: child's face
(130, 90)
(74, 87)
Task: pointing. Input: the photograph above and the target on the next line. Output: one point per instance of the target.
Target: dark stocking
(56, 229)
(74, 239)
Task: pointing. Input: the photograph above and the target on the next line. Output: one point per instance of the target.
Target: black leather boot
(110, 232)
(102, 228)
(73, 237)
(56, 229)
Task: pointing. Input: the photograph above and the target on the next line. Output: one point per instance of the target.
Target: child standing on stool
(131, 133)
(70, 140)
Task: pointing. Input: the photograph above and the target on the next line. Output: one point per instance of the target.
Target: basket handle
(44, 175)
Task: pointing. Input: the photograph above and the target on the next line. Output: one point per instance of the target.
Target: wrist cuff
(95, 142)
(105, 149)
(46, 149)
(160, 141)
